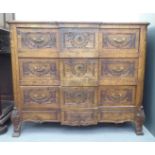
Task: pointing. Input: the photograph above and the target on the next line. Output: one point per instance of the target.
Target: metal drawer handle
(119, 40)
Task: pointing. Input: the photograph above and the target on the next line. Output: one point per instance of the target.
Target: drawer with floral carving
(79, 72)
(117, 115)
(40, 97)
(79, 97)
(119, 42)
(79, 118)
(77, 42)
(116, 95)
(37, 42)
(39, 71)
(118, 71)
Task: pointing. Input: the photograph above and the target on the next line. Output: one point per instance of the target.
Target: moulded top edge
(77, 22)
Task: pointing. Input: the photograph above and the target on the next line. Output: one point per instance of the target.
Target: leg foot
(16, 120)
(139, 120)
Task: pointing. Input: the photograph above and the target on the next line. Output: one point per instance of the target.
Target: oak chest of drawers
(78, 73)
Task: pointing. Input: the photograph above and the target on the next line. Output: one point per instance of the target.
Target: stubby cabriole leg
(139, 120)
(16, 121)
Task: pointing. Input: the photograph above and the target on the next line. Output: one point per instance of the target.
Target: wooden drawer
(117, 95)
(119, 42)
(118, 71)
(79, 42)
(36, 42)
(39, 97)
(117, 115)
(79, 72)
(79, 97)
(79, 118)
(39, 71)
(41, 116)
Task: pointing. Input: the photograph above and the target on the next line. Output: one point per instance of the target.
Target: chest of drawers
(78, 73)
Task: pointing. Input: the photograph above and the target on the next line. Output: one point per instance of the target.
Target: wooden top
(78, 22)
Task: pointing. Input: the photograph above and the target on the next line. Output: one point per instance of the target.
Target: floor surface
(48, 132)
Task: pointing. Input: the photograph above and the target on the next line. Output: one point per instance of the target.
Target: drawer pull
(119, 40)
(118, 69)
(38, 40)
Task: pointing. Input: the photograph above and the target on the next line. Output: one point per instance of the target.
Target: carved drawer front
(118, 71)
(78, 42)
(39, 72)
(116, 115)
(40, 97)
(79, 118)
(116, 95)
(79, 97)
(79, 72)
(41, 116)
(119, 42)
(37, 42)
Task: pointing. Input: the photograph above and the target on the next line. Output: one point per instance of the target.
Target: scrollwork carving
(40, 95)
(118, 68)
(119, 40)
(39, 68)
(36, 40)
(117, 96)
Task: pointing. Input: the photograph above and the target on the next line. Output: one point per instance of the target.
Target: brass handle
(118, 69)
(38, 40)
(119, 40)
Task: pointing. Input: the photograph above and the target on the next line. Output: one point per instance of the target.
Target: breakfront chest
(78, 73)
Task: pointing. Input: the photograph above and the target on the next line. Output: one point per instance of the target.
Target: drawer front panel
(119, 42)
(118, 115)
(78, 42)
(116, 95)
(37, 42)
(79, 97)
(32, 97)
(39, 72)
(79, 118)
(41, 116)
(118, 71)
(79, 72)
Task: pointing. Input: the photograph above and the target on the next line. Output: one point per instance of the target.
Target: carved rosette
(79, 40)
(125, 41)
(36, 40)
(40, 95)
(117, 68)
(80, 68)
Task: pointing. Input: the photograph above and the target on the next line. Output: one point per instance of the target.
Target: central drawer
(80, 117)
(79, 72)
(79, 97)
